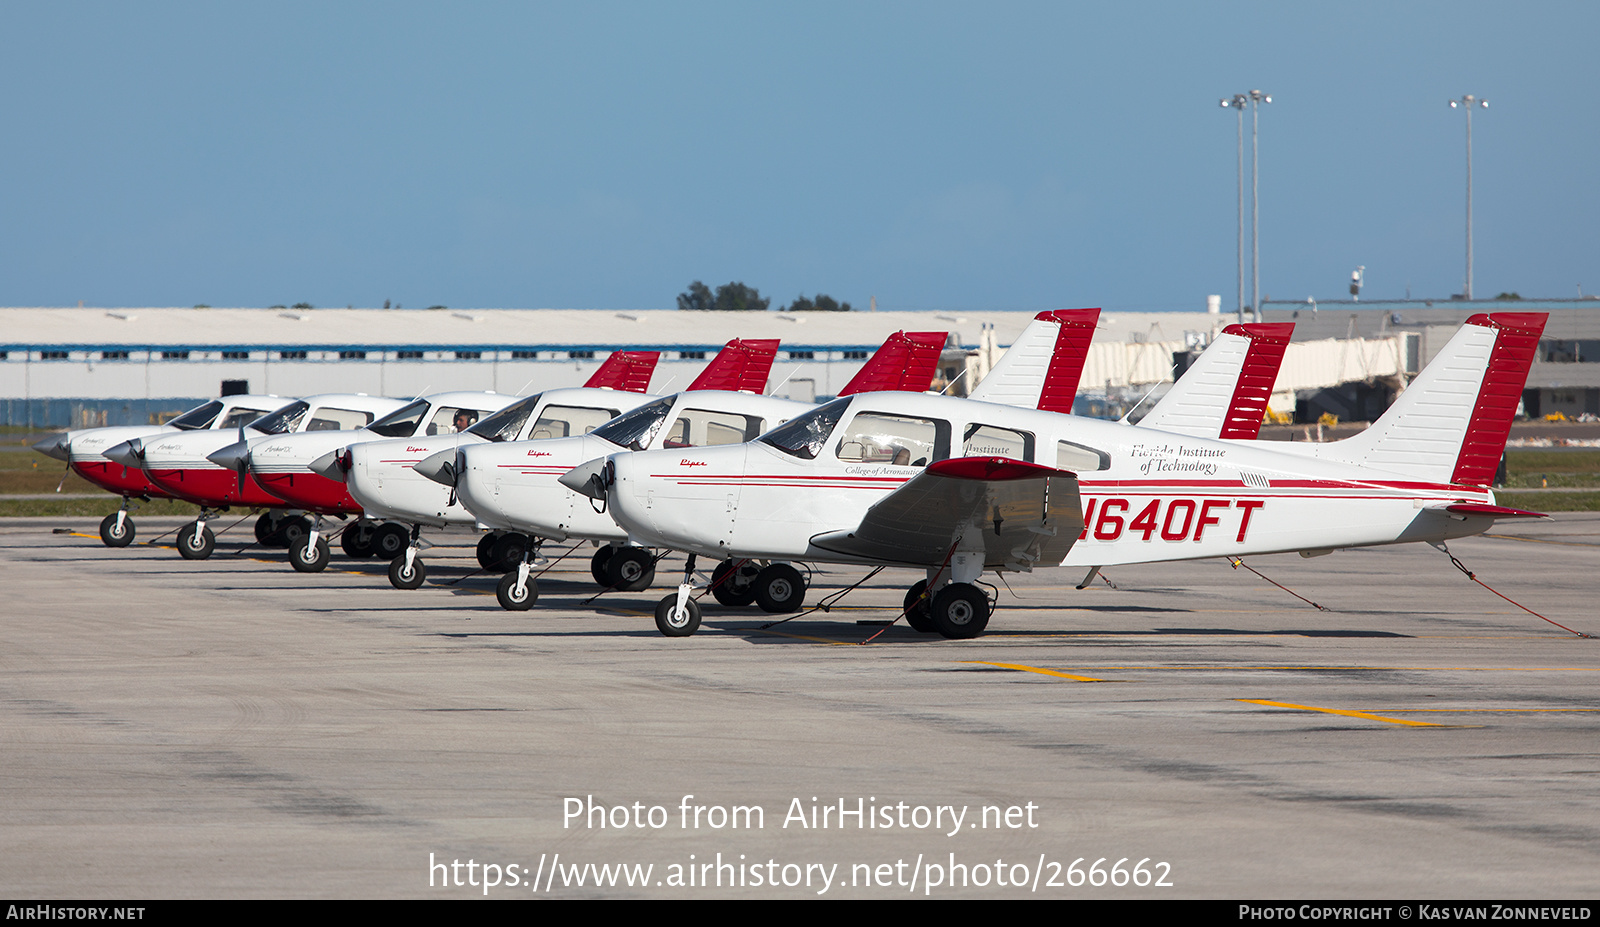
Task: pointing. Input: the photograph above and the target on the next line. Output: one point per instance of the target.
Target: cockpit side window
(331, 419)
(705, 428)
(565, 421)
(875, 437)
(1080, 458)
(242, 416)
(991, 441)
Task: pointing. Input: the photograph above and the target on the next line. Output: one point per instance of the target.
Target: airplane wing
(1018, 514)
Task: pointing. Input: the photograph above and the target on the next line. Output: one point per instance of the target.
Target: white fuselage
(1146, 495)
(382, 480)
(514, 485)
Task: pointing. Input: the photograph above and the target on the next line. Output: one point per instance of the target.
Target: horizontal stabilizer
(741, 366)
(626, 370)
(1484, 510)
(906, 363)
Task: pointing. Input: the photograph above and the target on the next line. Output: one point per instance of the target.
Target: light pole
(1254, 98)
(1237, 102)
(1467, 103)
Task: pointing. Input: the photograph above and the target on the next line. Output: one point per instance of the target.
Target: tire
(507, 552)
(631, 569)
(291, 530)
(510, 599)
(308, 559)
(402, 578)
(960, 611)
(114, 535)
(195, 541)
(356, 541)
(733, 587)
(486, 550)
(597, 565)
(266, 529)
(919, 614)
(390, 540)
(673, 626)
(780, 588)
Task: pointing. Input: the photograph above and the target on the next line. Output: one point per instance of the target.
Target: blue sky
(934, 155)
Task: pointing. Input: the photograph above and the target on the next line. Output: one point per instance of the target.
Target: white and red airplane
(382, 478)
(280, 464)
(1227, 388)
(178, 464)
(996, 488)
(83, 449)
(513, 486)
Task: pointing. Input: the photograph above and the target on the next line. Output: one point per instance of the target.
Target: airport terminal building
(77, 367)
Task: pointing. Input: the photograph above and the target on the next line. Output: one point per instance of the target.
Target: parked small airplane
(958, 488)
(82, 450)
(381, 477)
(177, 463)
(513, 486)
(280, 464)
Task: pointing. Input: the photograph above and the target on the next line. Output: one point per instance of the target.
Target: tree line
(736, 297)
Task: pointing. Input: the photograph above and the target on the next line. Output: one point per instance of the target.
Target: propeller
(57, 446)
(128, 453)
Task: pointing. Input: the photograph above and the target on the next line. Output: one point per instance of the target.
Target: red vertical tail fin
(626, 370)
(906, 363)
(741, 366)
(1042, 367)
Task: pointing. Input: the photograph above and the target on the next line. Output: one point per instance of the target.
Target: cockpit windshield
(284, 420)
(805, 435)
(635, 430)
(505, 424)
(401, 423)
(198, 417)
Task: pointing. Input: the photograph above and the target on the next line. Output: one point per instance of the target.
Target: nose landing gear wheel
(401, 577)
(918, 608)
(115, 535)
(631, 569)
(195, 541)
(675, 623)
(734, 586)
(308, 559)
(780, 588)
(515, 598)
(960, 611)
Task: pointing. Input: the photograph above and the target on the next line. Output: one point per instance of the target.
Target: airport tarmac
(230, 728)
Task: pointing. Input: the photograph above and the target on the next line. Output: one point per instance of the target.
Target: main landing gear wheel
(672, 621)
(486, 549)
(195, 541)
(780, 588)
(918, 609)
(115, 535)
(390, 540)
(734, 585)
(403, 577)
(356, 541)
(291, 530)
(960, 611)
(308, 559)
(266, 528)
(598, 565)
(515, 597)
(631, 569)
(506, 552)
